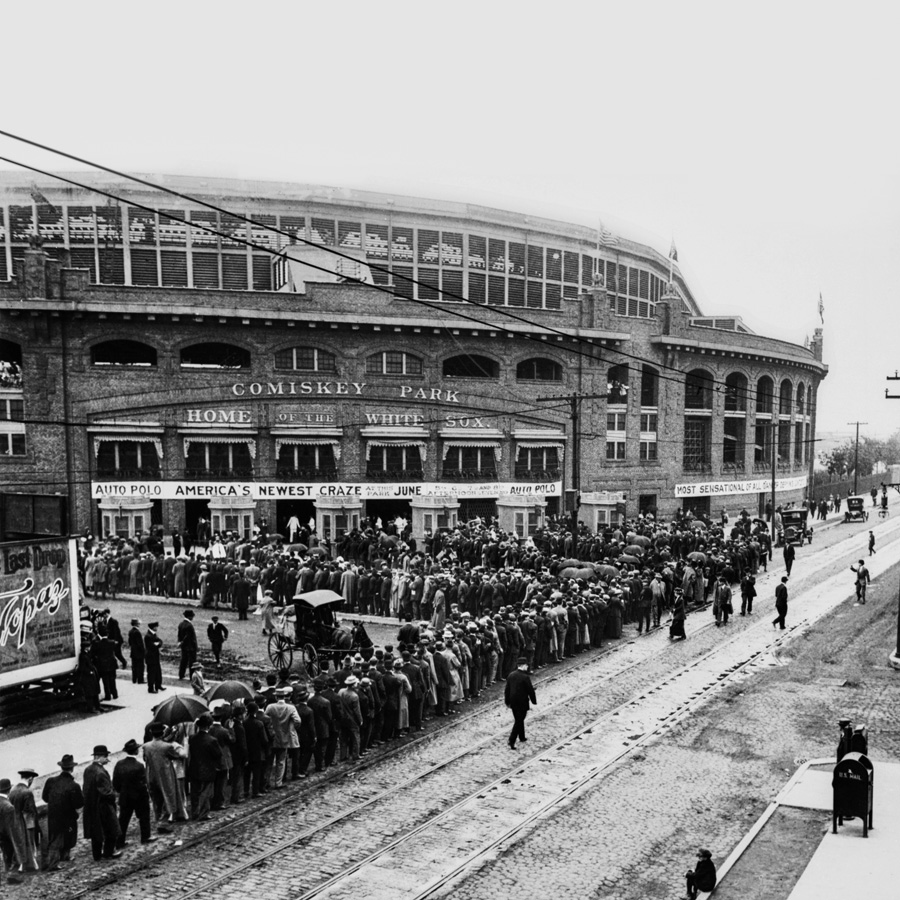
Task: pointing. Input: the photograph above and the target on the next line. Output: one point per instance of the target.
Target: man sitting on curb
(702, 877)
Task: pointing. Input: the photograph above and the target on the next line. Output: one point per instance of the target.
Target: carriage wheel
(311, 660)
(281, 653)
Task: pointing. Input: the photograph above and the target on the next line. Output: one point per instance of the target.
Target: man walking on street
(204, 759)
(722, 601)
(781, 602)
(138, 652)
(217, 632)
(64, 798)
(862, 579)
(871, 543)
(101, 826)
(130, 783)
(152, 643)
(187, 642)
(789, 554)
(519, 695)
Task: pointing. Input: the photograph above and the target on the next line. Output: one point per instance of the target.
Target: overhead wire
(295, 238)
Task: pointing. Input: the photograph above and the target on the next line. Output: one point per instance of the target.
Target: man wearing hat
(353, 720)
(217, 632)
(137, 651)
(703, 876)
(162, 782)
(64, 798)
(204, 759)
(518, 695)
(198, 685)
(322, 718)
(12, 837)
(152, 645)
(187, 642)
(101, 826)
(129, 780)
(285, 721)
(22, 799)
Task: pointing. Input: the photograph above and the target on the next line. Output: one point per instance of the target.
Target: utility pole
(774, 426)
(856, 457)
(889, 396)
(574, 401)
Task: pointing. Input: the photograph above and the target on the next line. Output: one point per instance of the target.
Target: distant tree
(841, 460)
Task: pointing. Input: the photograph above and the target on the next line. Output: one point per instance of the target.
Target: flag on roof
(673, 251)
(38, 197)
(821, 308)
(606, 237)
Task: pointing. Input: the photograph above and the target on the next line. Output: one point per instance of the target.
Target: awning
(308, 442)
(219, 439)
(490, 445)
(540, 445)
(135, 438)
(399, 442)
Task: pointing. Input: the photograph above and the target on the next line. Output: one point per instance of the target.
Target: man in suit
(64, 798)
(324, 720)
(204, 760)
(187, 642)
(152, 644)
(138, 652)
(12, 837)
(519, 695)
(130, 783)
(22, 799)
(101, 826)
(217, 632)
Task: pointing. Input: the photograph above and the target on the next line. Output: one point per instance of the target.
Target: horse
(344, 642)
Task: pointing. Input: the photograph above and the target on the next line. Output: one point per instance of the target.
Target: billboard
(39, 619)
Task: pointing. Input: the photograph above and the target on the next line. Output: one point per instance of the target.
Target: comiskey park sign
(252, 490)
(39, 619)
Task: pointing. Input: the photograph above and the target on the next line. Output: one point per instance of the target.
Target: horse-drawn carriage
(310, 628)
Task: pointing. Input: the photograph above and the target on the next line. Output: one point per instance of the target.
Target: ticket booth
(124, 516)
(431, 514)
(336, 516)
(520, 515)
(602, 509)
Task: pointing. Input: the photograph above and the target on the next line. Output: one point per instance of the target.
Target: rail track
(322, 854)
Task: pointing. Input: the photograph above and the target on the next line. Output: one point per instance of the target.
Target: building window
(305, 359)
(123, 353)
(392, 362)
(765, 390)
(10, 355)
(649, 386)
(799, 446)
(474, 463)
(698, 389)
(471, 366)
(785, 398)
(617, 385)
(127, 460)
(784, 443)
(801, 399)
(735, 392)
(394, 462)
(215, 460)
(735, 441)
(615, 449)
(539, 369)
(306, 461)
(537, 464)
(215, 356)
(527, 522)
(648, 436)
(615, 420)
(12, 428)
(697, 444)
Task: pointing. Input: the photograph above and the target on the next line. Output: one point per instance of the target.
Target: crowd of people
(474, 605)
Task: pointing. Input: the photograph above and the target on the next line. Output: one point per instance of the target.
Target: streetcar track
(546, 679)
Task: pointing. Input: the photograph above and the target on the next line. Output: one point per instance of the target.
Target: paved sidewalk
(844, 864)
(125, 718)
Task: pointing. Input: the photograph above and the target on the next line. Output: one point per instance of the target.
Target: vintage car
(794, 527)
(856, 510)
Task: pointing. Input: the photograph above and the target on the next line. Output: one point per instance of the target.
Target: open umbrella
(634, 550)
(180, 708)
(641, 540)
(628, 558)
(230, 691)
(606, 571)
(297, 548)
(697, 557)
(318, 551)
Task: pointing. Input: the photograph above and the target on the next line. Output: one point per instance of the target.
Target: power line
(293, 237)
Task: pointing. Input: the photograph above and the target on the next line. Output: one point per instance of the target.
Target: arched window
(801, 399)
(305, 359)
(471, 366)
(539, 369)
(617, 385)
(123, 353)
(649, 386)
(215, 356)
(735, 392)
(785, 398)
(698, 389)
(765, 391)
(393, 362)
(10, 364)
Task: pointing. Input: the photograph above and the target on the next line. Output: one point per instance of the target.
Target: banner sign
(250, 490)
(39, 627)
(753, 486)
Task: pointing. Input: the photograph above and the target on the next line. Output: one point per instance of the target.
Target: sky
(762, 138)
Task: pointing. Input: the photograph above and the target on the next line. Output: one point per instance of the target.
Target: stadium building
(349, 354)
